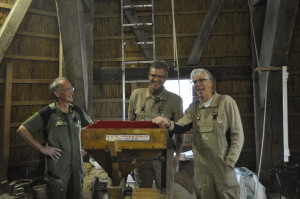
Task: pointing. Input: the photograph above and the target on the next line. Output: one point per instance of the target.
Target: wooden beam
(89, 35)
(72, 28)
(169, 13)
(186, 34)
(29, 81)
(205, 30)
(33, 11)
(6, 112)
(219, 72)
(140, 33)
(36, 34)
(31, 58)
(29, 103)
(167, 57)
(11, 24)
(276, 39)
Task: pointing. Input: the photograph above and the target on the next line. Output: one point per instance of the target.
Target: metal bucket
(39, 192)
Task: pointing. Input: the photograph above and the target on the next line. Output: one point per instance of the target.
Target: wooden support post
(89, 35)
(74, 47)
(113, 149)
(5, 136)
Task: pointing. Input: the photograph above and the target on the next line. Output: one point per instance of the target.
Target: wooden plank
(74, 47)
(32, 81)
(205, 30)
(37, 34)
(35, 11)
(33, 58)
(6, 5)
(95, 138)
(219, 72)
(89, 35)
(43, 12)
(29, 103)
(216, 55)
(146, 193)
(29, 81)
(139, 32)
(11, 24)
(5, 137)
(186, 34)
(113, 151)
(169, 13)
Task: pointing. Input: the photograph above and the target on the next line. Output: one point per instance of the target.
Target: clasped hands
(162, 122)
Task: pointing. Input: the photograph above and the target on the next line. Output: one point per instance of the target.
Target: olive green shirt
(63, 131)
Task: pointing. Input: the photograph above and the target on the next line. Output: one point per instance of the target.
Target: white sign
(128, 138)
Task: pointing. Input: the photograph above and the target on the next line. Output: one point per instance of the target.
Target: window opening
(186, 90)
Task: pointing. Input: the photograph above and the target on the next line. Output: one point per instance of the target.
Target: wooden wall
(294, 94)
(34, 56)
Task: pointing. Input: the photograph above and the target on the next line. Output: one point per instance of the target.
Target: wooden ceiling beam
(205, 30)
(132, 74)
(11, 24)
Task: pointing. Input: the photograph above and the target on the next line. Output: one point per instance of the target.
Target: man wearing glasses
(217, 138)
(146, 104)
(61, 122)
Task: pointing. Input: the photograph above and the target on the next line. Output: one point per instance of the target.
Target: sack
(253, 189)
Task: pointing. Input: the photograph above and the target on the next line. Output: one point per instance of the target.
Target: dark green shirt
(63, 132)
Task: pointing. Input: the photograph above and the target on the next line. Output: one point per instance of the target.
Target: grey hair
(200, 71)
(160, 64)
(55, 84)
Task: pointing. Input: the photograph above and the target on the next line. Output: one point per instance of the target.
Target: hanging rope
(175, 54)
(265, 104)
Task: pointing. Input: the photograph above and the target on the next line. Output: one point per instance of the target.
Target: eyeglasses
(157, 76)
(198, 81)
(69, 90)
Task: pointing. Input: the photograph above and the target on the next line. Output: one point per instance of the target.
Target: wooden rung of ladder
(137, 6)
(139, 43)
(138, 62)
(137, 24)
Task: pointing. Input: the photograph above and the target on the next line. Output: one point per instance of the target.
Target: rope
(253, 33)
(265, 104)
(175, 62)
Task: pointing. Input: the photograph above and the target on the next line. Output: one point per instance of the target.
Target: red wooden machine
(121, 146)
